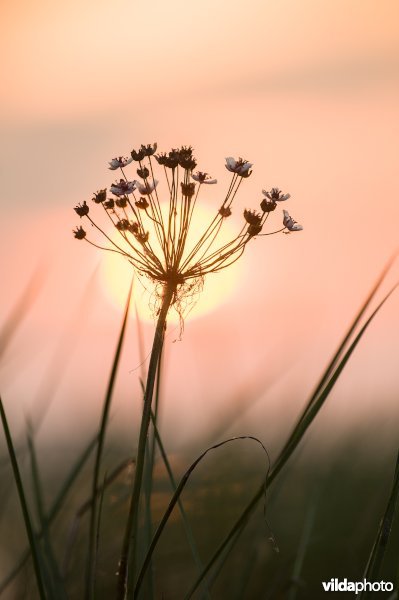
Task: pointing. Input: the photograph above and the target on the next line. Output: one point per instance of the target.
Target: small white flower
(276, 195)
(120, 162)
(289, 222)
(123, 187)
(240, 166)
(203, 178)
(146, 188)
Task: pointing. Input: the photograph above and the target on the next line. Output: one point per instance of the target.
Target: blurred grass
(337, 536)
(352, 497)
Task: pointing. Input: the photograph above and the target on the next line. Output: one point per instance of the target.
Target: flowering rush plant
(153, 236)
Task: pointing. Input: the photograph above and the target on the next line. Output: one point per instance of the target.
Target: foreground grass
(250, 560)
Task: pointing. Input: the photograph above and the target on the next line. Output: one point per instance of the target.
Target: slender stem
(128, 554)
(92, 550)
(24, 505)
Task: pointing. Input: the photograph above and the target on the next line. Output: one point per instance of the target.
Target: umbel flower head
(153, 235)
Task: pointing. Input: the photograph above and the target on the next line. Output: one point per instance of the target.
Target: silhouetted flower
(121, 202)
(122, 225)
(254, 229)
(142, 203)
(149, 149)
(82, 209)
(276, 195)
(146, 188)
(289, 222)
(79, 233)
(268, 205)
(169, 259)
(240, 167)
(142, 237)
(186, 158)
(224, 211)
(119, 163)
(188, 189)
(143, 173)
(252, 217)
(123, 187)
(100, 196)
(139, 155)
(134, 228)
(203, 178)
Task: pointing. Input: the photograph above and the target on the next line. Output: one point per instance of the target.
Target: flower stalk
(154, 237)
(128, 559)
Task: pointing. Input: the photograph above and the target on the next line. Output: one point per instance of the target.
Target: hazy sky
(306, 90)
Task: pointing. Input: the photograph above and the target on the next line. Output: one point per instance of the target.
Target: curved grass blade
(24, 505)
(177, 494)
(303, 424)
(91, 559)
(186, 524)
(372, 572)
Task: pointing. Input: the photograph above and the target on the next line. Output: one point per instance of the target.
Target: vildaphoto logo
(343, 585)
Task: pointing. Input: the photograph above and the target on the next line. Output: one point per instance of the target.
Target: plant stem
(128, 554)
(92, 551)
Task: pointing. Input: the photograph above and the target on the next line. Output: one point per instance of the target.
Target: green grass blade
(303, 424)
(85, 508)
(335, 359)
(91, 559)
(311, 411)
(186, 523)
(176, 497)
(24, 505)
(372, 572)
(128, 558)
(20, 309)
(54, 510)
(54, 583)
(302, 549)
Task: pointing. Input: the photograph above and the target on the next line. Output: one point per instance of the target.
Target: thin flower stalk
(154, 236)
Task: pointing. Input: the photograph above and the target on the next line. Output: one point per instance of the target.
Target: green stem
(24, 505)
(128, 554)
(92, 551)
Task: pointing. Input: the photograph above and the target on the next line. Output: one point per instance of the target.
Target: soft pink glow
(306, 90)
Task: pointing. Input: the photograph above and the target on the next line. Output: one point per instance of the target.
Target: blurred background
(308, 92)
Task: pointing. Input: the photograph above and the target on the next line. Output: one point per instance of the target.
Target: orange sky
(306, 90)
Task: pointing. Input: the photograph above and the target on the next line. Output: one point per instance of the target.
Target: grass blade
(303, 424)
(21, 307)
(55, 586)
(53, 512)
(91, 559)
(86, 506)
(186, 524)
(334, 361)
(24, 505)
(302, 549)
(372, 572)
(177, 494)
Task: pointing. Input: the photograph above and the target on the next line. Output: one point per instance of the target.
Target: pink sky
(306, 90)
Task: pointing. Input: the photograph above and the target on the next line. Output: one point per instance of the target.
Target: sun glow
(116, 273)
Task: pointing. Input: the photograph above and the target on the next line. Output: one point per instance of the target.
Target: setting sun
(116, 275)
